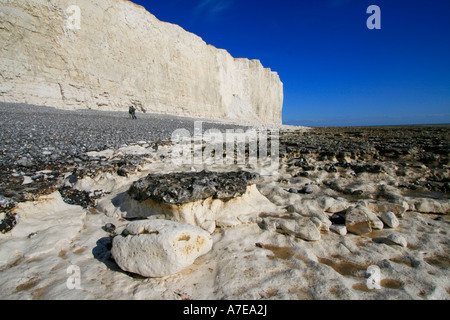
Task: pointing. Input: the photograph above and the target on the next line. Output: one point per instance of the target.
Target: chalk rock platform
(158, 248)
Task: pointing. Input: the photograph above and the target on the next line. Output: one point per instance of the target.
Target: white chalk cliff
(120, 54)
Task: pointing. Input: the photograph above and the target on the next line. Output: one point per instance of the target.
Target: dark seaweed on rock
(184, 187)
(77, 197)
(8, 223)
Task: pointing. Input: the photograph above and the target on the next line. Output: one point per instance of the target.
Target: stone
(357, 222)
(307, 230)
(307, 190)
(6, 203)
(370, 168)
(24, 162)
(8, 222)
(375, 222)
(139, 59)
(290, 208)
(321, 216)
(425, 205)
(331, 204)
(300, 227)
(330, 168)
(340, 229)
(390, 219)
(123, 172)
(317, 222)
(159, 248)
(110, 228)
(384, 206)
(77, 197)
(355, 218)
(396, 239)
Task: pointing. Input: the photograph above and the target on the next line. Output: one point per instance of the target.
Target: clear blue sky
(336, 72)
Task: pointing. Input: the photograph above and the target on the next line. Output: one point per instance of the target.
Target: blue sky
(335, 71)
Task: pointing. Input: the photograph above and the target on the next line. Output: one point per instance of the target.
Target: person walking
(132, 112)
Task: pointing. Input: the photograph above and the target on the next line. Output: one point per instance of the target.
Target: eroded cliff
(120, 53)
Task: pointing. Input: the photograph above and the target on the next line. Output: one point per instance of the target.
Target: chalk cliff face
(117, 53)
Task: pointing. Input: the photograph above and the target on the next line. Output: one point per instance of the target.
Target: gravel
(29, 133)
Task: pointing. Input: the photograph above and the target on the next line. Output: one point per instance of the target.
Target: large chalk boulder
(159, 248)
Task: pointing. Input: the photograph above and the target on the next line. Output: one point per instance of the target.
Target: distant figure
(132, 112)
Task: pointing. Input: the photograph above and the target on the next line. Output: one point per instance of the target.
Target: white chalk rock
(383, 206)
(340, 229)
(331, 204)
(425, 205)
(158, 248)
(360, 220)
(396, 239)
(297, 226)
(325, 222)
(357, 222)
(302, 228)
(375, 222)
(390, 219)
(317, 222)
